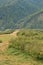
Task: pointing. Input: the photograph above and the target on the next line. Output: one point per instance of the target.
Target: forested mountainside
(34, 21)
(12, 12)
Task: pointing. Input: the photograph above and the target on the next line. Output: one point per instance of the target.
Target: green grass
(5, 37)
(26, 49)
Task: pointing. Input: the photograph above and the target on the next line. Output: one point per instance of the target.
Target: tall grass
(30, 42)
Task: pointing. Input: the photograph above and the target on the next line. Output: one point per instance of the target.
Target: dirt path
(5, 44)
(15, 33)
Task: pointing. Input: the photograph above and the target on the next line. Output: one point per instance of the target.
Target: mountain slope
(35, 22)
(12, 11)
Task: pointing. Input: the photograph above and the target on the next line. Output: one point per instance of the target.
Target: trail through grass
(24, 47)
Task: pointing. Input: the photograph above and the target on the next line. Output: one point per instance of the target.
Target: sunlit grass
(5, 37)
(26, 49)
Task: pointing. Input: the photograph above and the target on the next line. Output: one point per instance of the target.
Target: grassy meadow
(24, 48)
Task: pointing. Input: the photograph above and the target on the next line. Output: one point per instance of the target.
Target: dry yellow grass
(5, 38)
(14, 59)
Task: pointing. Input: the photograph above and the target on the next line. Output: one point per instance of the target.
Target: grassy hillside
(25, 49)
(12, 11)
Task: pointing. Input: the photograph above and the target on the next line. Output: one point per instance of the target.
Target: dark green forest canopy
(16, 14)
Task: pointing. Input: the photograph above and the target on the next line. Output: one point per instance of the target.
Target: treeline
(7, 31)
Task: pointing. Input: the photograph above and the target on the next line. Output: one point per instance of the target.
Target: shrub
(0, 41)
(28, 45)
(40, 56)
(7, 31)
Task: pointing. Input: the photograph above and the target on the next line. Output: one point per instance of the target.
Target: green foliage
(25, 49)
(7, 31)
(40, 56)
(27, 42)
(0, 41)
(16, 14)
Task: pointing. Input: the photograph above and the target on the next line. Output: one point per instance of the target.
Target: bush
(0, 41)
(40, 56)
(16, 44)
(7, 31)
(28, 45)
